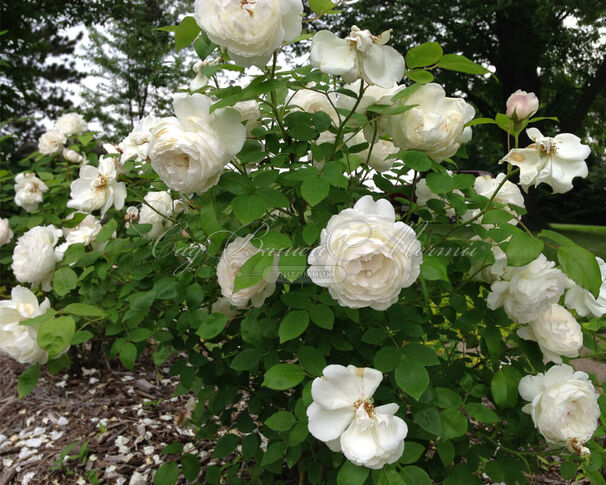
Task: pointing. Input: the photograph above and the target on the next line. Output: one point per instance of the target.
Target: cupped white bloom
(97, 188)
(157, 210)
(365, 257)
(522, 105)
(435, 126)
(343, 416)
(28, 191)
(360, 55)
(583, 302)
(70, 124)
(312, 101)
(234, 256)
(509, 193)
(554, 161)
(527, 291)
(563, 404)
(493, 272)
(190, 151)
(5, 232)
(20, 341)
(380, 155)
(136, 145)
(250, 114)
(557, 333)
(34, 257)
(51, 142)
(72, 156)
(84, 233)
(250, 30)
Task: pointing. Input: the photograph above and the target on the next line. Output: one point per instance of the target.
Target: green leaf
(191, 466)
(246, 360)
(281, 421)
(456, 62)
(350, 474)
(283, 376)
(446, 451)
(523, 249)
(391, 477)
(311, 359)
(203, 46)
(504, 387)
(423, 55)
(37, 321)
(481, 413)
(582, 267)
(421, 354)
(315, 190)
(322, 316)
(185, 32)
(272, 240)
(321, 6)
(440, 183)
(107, 231)
(420, 76)
(28, 380)
(248, 208)
(416, 160)
(167, 474)
(447, 398)
(212, 326)
(412, 378)
(83, 310)
(433, 269)
(128, 355)
(226, 444)
(387, 358)
(415, 475)
(292, 267)
(481, 121)
(274, 452)
(299, 126)
(428, 418)
(77, 218)
(56, 334)
(293, 325)
(454, 424)
(253, 271)
(81, 336)
(64, 281)
(412, 452)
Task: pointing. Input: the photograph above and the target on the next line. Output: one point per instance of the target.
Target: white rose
(20, 341)
(162, 207)
(342, 415)
(555, 161)
(361, 55)
(563, 404)
(72, 156)
(190, 151)
(436, 126)
(250, 30)
(70, 124)
(312, 101)
(28, 191)
(222, 305)
(136, 145)
(250, 114)
(97, 188)
(200, 80)
(583, 302)
(557, 333)
(84, 233)
(527, 291)
(522, 105)
(379, 156)
(493, 272)
(234, 256)
(365, 257)
(509, 193)
(51, 142)
(5, 232)
(34, 256)
(424, 194)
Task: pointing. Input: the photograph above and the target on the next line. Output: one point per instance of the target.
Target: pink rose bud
(522, 105)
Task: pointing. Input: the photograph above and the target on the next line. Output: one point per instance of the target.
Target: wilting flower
(509, 193)
(70, 124)
(527, 291)
(250, 30)
(522, 105)
(234, 256)
(582, 301)
(360, 55)
(555, 161)
(250, 114)
(5, 232)
(564, 405)
(84, 233)
(365, 257)
(557, 333)
(20, 341)
(28, 191)
(190, 151)
(34, 257)
(435, 126)
(342, 415)
(136, 145)
(162, 208)
(97, 188)
(72, 156)
(51, 142)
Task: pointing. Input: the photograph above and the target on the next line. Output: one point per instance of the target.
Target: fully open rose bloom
(554, 161)
(557, 333)
(527, 291)
(189, 151)
(162, 207)
(234, 256)
(20, 341)
(522, 105)
(360, 55)
(365, 257)
(436, 126)
(563, 405)
(583, 302)
(250, 30)
(5, 232)
(34, 257)
(70, 124)
(342, 415)
(51, 142)
(97, 188)
(28, 191)
(136, 144)
(84, 233)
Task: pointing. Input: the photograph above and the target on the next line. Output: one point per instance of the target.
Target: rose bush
(344, 305)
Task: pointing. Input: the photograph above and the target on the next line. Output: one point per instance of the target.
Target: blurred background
(106, 60)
